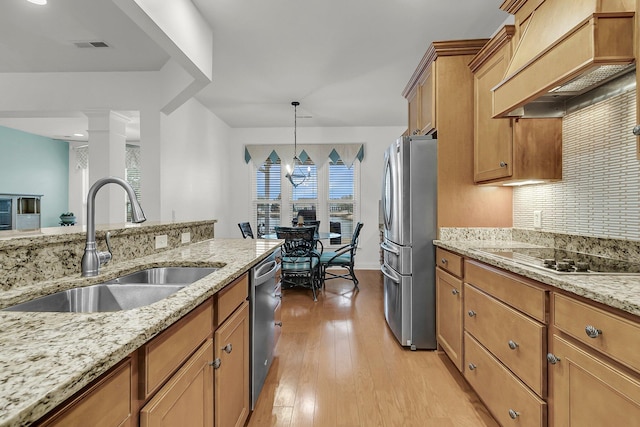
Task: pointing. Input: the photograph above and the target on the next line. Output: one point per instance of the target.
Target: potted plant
(67, 218)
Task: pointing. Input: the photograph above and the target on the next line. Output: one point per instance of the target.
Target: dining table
(322, 235)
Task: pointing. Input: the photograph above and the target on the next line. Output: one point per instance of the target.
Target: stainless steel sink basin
(123, 293)
(166, 275)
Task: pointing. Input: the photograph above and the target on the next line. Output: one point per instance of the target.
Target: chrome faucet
(92, 259)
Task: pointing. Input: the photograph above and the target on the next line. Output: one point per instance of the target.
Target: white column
(150, 152)
(107, 145)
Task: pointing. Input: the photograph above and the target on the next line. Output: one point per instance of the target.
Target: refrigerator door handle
(388, 248)
(388, 273)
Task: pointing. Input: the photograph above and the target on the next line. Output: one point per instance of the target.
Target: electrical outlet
(186, 237)
(161, 241)
(537, 219)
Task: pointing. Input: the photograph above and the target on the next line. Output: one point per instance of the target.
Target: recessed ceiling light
(38, 2)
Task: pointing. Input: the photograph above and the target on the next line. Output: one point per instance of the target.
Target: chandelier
(295, 171)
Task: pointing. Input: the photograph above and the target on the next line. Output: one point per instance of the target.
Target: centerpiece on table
(67, 218)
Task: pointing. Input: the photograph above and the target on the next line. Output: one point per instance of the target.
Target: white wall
(194, 166)
(376, 140)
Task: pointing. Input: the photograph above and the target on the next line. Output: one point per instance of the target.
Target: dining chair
(300, 261)
(343, 257)
(245, 229)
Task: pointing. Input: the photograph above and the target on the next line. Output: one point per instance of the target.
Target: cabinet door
(587, 391)
(449, 315)
(187, 399)
(493, 140)
(232, 375)
(426, 88)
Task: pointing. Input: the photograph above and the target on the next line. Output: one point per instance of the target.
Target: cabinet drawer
(449, 261)
(516, 340)
(231, 297)
(107, 403)
(509, 288)
(504, 395)
(169, 350)
(616, 336)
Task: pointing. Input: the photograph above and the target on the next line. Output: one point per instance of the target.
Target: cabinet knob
(278, 324)
(513, 345)
(503, 164)
(228, 348)
(636, 130)
(592, 331)
(513, 414)
(455, 291)
(471, 313)
(472, 366)
(443, 260)
(552, 358)
(216, 363)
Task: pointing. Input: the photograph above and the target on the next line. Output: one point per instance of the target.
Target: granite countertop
(47, 357)
(614, 290)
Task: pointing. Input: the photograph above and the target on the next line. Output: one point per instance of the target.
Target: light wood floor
(338, 364)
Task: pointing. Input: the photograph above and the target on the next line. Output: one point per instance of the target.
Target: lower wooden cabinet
(187, 399)
(589, 391)
(508, 399)
(105, 404)
(231, 341)
(449, 305)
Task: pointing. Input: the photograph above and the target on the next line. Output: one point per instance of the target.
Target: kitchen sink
(123, 293)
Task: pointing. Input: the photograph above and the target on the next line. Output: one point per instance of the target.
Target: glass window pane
(268, 181)
(341, 201)
(267, 218)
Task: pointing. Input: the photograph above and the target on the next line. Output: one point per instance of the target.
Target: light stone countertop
(614, 290)
(47, 357)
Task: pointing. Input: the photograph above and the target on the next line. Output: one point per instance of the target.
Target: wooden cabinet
(187, 399)
(505, 343)
(232, 369)
(449, 304)
(594, 371)
(587, 390)
(509, 150)
(106, 403)
(440, 100)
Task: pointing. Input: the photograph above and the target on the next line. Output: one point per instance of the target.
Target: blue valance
(319, 153)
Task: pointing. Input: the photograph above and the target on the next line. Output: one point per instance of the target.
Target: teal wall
(32, 164)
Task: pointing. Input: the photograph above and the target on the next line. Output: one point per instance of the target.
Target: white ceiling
(346, 61)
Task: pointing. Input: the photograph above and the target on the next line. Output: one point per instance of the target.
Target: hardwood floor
(338, 364)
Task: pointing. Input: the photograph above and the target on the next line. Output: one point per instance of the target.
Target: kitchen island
(47, 357)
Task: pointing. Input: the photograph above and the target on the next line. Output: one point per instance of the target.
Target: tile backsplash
(599, 195)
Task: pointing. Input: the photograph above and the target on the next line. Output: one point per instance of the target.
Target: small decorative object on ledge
(67, 218)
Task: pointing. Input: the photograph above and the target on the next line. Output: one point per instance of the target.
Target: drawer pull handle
(279, 324)
(503, 164)
(455, 291)
(636, 130)
(228, 348)
(216, 363)
(513, 414)
(472, 366)
(552, 358)
(513, 345)
(443, 260)
(471, 313)
(592, 331)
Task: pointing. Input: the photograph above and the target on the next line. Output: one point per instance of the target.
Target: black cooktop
(566, 262)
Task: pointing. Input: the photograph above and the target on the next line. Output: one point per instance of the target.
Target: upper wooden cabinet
(509, 150)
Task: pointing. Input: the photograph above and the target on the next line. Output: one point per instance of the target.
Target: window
(267, 196)
(330, 195)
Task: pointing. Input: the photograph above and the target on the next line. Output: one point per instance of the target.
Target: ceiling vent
(90, 45)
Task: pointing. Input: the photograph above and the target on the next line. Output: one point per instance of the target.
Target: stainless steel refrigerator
(409, 209)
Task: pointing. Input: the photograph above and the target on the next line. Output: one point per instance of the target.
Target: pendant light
(295, 171)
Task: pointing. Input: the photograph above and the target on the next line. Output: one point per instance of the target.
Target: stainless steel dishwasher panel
(262, 302)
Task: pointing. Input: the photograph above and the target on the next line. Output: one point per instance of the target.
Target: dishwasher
(262, 303)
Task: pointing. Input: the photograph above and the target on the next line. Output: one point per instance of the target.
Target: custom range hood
(566, 50)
